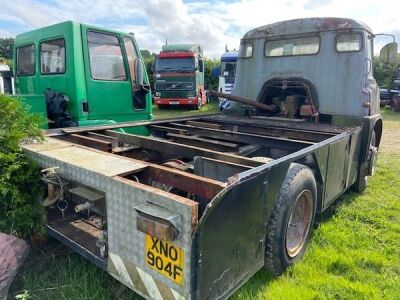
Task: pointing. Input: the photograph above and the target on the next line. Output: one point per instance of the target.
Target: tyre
(198, 105)
(291, 221)
(162, 106)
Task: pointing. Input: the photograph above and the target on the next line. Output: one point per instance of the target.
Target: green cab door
(109, 89)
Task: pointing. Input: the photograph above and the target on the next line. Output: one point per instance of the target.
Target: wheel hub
(299, 223)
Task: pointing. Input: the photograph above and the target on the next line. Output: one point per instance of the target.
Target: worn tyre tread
(272, 263)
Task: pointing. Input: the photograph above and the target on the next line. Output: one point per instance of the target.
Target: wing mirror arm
(140, 85)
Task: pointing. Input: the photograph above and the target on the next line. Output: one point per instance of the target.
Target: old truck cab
(6, 79)
(226, 75)
(326, 63)
(179, 76)
(79, 75)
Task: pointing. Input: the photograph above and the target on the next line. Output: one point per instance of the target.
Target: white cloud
(5, 34)
(211, 24)
(38, 14)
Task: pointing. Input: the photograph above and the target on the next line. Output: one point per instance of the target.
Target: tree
(148, 59)
(20, 210)
(383, 73)
(6, 47)
(145, 54)
(211, 82)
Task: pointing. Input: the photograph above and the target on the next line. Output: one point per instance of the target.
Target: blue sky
(211, 23)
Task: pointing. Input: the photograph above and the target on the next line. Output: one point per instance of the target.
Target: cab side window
(132, 56)
(246, 50)
(348, 42)
(26, 60)
(52, 57)
(105, 56)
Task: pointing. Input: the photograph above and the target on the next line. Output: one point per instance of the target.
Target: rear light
(156, 227)
(367, 98)
(366, 104)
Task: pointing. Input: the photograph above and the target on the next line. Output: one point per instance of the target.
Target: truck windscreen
(228, 69)
(174, 64)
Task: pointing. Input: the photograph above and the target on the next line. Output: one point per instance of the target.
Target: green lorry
(80, 75)
(179, 76)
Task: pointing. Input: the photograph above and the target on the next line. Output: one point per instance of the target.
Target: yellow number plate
(166, 258)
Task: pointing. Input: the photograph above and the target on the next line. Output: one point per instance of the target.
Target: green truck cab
(80, 75)
(179, 76)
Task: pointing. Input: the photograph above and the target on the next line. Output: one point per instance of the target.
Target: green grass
(175, 112)
(391, 119)
(354, 252)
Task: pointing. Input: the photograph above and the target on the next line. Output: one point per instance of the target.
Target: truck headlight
(158, 94)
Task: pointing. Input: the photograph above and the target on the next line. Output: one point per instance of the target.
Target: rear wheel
(291, 221)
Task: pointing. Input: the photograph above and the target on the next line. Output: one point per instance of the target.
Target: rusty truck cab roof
(304, 26)
(336, 77)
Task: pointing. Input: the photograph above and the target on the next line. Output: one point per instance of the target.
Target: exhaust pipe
(267, 107)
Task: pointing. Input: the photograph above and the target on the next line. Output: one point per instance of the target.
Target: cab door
(109, 89)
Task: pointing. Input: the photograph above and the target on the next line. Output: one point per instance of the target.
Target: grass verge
(354, 252)
(175, 112)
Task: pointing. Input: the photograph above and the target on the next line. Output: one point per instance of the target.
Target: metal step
(86, 193)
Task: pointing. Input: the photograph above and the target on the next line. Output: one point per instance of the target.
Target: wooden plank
(202, 142)
(179, 149)
(200, 186)
(185, 201)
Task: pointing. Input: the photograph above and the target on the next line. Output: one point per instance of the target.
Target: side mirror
(216, 72)
(139, 72)
(201, 65)
(388, 54)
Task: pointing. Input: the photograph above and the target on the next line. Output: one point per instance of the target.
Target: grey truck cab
(319, 65)
(319, 69)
